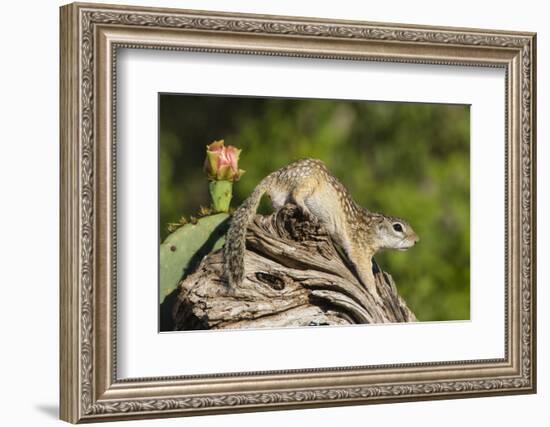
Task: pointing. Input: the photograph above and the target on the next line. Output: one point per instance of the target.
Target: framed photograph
(266, 212)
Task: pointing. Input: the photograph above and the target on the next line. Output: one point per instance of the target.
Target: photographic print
(225, 184)
(280, 212)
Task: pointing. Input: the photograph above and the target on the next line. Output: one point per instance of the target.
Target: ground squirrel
(309, 184)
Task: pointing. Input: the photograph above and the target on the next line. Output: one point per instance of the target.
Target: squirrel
(309, 184)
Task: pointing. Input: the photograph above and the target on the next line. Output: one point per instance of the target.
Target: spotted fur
(309, 185)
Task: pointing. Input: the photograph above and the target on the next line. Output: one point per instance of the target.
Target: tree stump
(294, 276)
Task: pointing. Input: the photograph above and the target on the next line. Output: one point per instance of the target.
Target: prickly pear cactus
(182, 250)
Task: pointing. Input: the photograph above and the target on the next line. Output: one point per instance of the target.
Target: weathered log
(294, 276)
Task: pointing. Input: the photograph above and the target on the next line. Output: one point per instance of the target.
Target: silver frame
(90, 37)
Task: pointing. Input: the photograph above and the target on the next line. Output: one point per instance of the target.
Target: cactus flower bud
(222, 163)
(222, 166)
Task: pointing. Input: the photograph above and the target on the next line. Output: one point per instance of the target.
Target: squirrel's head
(389, 232)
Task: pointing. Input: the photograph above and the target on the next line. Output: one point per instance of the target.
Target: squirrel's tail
(235, 245)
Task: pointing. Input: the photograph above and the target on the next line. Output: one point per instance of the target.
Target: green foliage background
(405, 159)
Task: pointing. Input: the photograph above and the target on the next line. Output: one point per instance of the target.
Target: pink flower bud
(222, 163)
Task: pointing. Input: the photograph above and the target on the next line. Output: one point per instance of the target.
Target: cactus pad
(182, 250)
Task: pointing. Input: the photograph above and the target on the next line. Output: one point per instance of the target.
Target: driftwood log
(294, 276)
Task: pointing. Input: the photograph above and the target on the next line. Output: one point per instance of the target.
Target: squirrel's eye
(398, 227)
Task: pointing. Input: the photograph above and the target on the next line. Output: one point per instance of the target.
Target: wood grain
(294, 276)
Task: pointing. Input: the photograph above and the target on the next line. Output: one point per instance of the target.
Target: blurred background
(404, 159)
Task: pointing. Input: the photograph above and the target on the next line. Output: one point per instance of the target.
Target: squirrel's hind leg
(278, 198)
(300, 194)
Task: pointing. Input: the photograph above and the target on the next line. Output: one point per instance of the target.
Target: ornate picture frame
(90, 37)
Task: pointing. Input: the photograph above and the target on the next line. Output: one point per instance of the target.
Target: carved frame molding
(90, 37)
